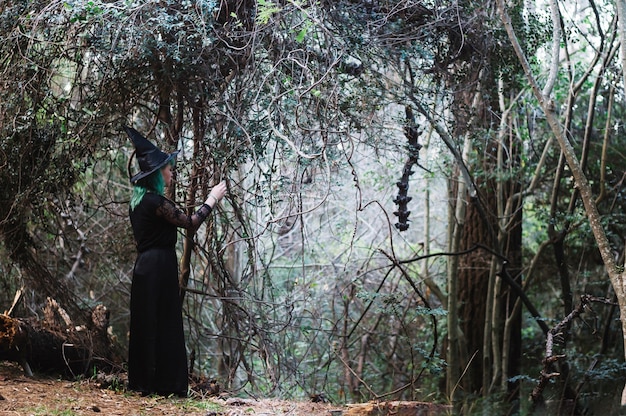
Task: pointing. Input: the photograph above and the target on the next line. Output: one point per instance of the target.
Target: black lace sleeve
(176, 216)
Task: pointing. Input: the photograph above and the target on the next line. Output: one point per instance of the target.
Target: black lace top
(156, 218)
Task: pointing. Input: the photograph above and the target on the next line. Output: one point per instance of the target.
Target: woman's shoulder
(151, 196)
(156, 200)
(153, 200)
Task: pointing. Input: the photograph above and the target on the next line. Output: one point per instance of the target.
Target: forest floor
(49, 396)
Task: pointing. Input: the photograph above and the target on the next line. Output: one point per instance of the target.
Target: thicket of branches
(300, 283)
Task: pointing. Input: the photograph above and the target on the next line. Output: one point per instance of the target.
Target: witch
(157, 357)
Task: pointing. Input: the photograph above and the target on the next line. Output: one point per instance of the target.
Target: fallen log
(54, 345)
(397, 408)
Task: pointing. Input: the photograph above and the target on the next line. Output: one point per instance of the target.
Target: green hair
(151, 183)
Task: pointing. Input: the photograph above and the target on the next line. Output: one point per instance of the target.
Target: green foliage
(266, 9)
(608, 370)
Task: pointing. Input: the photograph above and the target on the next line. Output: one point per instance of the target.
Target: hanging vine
(412, 134)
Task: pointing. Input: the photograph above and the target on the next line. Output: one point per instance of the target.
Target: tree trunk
(485, 303)
(454, 355)
(474, 275)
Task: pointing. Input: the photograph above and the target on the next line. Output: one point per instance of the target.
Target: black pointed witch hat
(149, 156)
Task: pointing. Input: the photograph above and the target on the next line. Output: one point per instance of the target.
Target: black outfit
(157, 358)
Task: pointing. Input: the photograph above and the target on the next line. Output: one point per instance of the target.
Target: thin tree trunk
(435, 290)
(455, 336)
(188, 244)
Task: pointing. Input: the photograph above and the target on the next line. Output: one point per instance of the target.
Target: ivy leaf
(300, 36)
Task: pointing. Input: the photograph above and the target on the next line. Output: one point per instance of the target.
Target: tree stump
(55, 345)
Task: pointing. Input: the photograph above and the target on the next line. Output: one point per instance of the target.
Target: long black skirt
(157, 358)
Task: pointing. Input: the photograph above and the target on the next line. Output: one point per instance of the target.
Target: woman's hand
(216, 194)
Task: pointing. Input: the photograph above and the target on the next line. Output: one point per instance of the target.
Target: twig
(550, 359)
